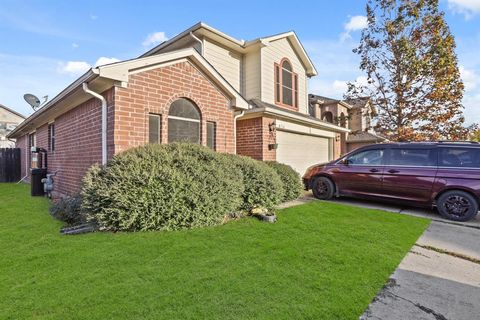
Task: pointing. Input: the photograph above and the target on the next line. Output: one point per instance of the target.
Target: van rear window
(460, 157)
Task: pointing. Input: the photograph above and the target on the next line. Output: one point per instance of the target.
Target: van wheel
(323, 188)
(457, 205)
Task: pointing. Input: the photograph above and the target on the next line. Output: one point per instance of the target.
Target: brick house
(202, 86)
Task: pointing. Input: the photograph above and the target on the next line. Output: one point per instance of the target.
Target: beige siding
(227, 62)
(272, 53)
(252, 75)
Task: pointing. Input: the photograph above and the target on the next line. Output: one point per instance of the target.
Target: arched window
(286, 84)
(183, 122)
(327, 116)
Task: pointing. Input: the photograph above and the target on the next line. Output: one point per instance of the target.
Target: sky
(46, 45)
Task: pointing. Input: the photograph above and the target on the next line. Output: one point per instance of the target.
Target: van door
(410, 173)
(360, 173)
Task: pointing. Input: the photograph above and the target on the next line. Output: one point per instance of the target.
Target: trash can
(36, 181)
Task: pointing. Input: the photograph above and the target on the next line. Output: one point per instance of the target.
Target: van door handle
(374, 170)
(393, 171)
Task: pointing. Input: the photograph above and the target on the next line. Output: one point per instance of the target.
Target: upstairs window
(286, 84)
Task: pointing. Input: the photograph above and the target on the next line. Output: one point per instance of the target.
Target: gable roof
(326, 100)
(12, 111)
(103, 77)
(202, 29)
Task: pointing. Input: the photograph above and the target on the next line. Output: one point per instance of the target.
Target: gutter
(89, 75)
(104, 120)
(235, 129)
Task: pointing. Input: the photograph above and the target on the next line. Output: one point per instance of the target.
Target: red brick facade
(254, 137)
(154, 91)
(77, 143)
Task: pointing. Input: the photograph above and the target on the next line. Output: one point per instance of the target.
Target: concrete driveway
(438, 279)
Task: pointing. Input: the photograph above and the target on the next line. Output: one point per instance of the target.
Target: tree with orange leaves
(408, 54)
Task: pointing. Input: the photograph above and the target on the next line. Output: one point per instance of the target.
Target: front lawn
(319, 261)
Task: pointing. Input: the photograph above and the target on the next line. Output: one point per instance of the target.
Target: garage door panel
(301, 151)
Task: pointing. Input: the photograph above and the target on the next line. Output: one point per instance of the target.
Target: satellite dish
(32, 100)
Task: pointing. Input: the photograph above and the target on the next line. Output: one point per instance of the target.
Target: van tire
(323, 188)
(457, 205)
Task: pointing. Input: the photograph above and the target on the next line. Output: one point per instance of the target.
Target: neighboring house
(354, 114)
(9, 120)
(202, 86)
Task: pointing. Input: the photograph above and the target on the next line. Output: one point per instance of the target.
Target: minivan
(445, 175)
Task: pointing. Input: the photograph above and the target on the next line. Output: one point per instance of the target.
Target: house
(202, 86)
(354, 114)
(9, 120)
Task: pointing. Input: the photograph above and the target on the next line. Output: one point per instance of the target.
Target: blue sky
(47, 44)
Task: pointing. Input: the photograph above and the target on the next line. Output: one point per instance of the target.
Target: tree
(408, 54)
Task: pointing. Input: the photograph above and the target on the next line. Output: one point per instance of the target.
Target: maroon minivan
(445, 175)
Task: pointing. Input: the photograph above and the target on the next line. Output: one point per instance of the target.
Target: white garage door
(301, 151)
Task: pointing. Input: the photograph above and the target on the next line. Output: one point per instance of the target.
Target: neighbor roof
(202, 28)
(327, 100)
(12, 111)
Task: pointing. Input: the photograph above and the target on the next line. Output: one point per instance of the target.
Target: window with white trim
(51, 137)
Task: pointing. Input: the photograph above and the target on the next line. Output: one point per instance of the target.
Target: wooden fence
(10, 169)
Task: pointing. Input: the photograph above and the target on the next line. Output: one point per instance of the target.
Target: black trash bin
(36, 181)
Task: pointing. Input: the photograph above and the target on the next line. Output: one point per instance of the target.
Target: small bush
(68, 210)
(292, 183)
(263, 187)
(161, 187)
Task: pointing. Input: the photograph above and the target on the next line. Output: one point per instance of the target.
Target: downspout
(104, 120)
(235, 128)
(198, 40)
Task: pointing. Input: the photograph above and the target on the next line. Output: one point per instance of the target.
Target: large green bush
(292, 183)
(263, 187)
(162, 187)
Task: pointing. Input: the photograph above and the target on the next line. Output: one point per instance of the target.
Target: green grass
(319, 261)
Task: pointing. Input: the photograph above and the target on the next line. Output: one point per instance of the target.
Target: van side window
(413, 157)
(367, 157)
(460, 157)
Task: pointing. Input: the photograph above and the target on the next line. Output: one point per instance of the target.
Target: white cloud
(75, 45)
(105, 60)
(354, 24)
(93, 16)
(154, 38)
(469, 78)
(466, 7)
(73, 67)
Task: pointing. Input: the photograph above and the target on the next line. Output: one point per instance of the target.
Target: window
(343, 120)
(183, 122)
(413, 157)
(51, 137)
(211, 135)
(460, 157)
(286, 84)
(327, 116)
(367, 157)
(154, 128)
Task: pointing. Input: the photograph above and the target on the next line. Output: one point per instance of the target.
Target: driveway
(438, 279)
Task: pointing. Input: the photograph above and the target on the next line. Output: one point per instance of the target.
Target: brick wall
(78, 143)
(253, 138)
(153, 91)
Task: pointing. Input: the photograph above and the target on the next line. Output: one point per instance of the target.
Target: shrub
(263, 187)
(292, 183)
(161, 187)
(68, 210)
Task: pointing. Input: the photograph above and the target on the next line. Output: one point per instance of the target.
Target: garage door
(301, 151)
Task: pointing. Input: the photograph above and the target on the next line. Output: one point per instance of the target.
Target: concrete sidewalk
(432, 284)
